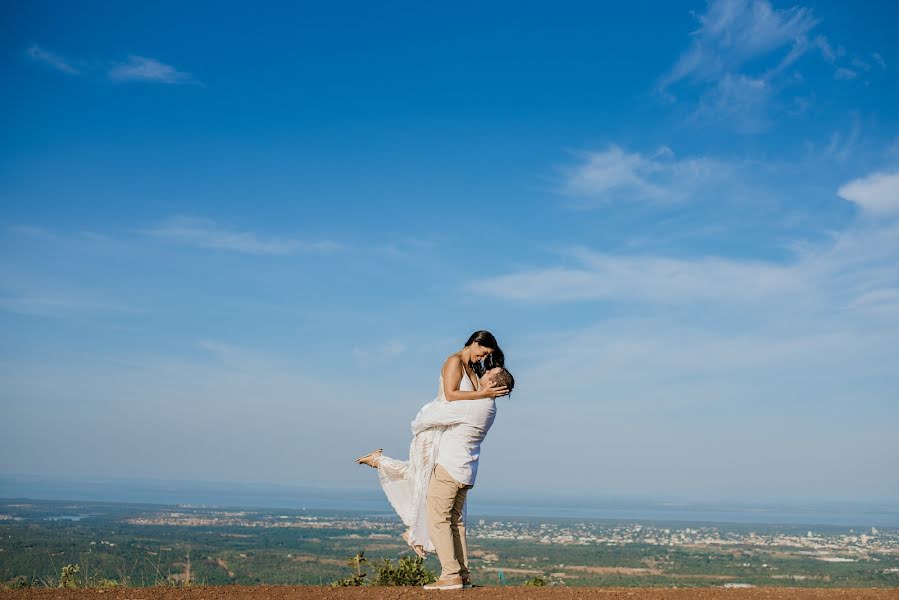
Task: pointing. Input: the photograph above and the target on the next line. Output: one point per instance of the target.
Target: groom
(454, 474)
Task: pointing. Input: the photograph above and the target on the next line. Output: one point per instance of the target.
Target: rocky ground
(483, 593)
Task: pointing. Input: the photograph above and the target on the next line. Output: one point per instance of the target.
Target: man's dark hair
(504, 379)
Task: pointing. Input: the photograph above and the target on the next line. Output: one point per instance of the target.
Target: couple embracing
(428, 491)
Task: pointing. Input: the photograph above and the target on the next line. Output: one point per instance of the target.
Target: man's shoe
(453, 583)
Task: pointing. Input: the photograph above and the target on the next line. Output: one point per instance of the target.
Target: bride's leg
(391, 469)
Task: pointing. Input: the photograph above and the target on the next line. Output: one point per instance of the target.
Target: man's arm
(452, 376)
(440, 414)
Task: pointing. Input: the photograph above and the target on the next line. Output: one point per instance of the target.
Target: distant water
(268, 495)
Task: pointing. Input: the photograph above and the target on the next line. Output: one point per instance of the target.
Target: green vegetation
(405, 571)
(96, 545)
(358, 577)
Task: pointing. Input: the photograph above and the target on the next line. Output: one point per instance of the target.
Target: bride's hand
(495, 391)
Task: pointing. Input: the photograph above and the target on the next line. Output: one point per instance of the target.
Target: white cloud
(734, 32)
(616, 175)
(844, 144)
(876, 194)
(650, 279)
(726, 352)
(860, 64)
(737, 100)
(135, 68)
(205, 233)
(49, 58)
(671, 349)
(139, 68)
(743, 56)
(826, 50)
(862, 259)
(844, 73)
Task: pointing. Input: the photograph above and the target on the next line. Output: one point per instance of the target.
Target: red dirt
(269, 592)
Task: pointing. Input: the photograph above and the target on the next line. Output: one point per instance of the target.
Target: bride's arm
(452, 377)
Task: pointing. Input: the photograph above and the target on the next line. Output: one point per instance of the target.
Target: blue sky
(237, 244)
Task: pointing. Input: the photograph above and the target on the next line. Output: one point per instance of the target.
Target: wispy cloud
(720, 338)
(742, 56)
(738, 101)
(134, 69)
(843, 144)
(859, 260)
(734, 32)
(844, 73)
(140, 68)
(614, 175)
(652, 279)
(51, 59)
(205, 233)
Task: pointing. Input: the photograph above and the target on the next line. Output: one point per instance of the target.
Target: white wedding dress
(405, 482)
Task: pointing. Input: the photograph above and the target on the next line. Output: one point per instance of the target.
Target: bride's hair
(484, 338)
(494, 359)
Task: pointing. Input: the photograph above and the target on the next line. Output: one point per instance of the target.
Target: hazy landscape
(151, 544)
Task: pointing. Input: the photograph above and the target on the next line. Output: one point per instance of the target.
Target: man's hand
(494, 391)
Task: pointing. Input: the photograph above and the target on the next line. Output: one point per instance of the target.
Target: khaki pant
(446, 498)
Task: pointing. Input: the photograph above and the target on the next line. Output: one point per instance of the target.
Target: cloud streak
(616, 175)
(650, 279)
(140, 68)
(859, 262)
(205, 233)
(134, 69)
(52, 60)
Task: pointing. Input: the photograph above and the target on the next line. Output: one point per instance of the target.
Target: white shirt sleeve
(440, 414)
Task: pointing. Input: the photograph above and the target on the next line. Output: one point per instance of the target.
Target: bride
(406, 482)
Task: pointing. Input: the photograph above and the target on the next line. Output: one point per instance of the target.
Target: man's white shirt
(467, 422)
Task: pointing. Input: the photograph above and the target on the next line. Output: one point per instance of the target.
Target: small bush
(68, 576)
(535, 582)
(406, 571)
(358, 578)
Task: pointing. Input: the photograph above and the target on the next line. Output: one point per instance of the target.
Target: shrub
(406, 571)
(67, 577)
(535, 582)
(358, 578)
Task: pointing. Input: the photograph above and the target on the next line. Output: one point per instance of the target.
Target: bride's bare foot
(419, 549)
(372, 459)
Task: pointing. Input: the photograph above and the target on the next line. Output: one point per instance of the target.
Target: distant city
(830, 547)
(144, 544)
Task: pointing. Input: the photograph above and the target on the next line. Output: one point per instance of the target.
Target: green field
(252, 546)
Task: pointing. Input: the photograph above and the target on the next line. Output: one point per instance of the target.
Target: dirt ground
(484, 593)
